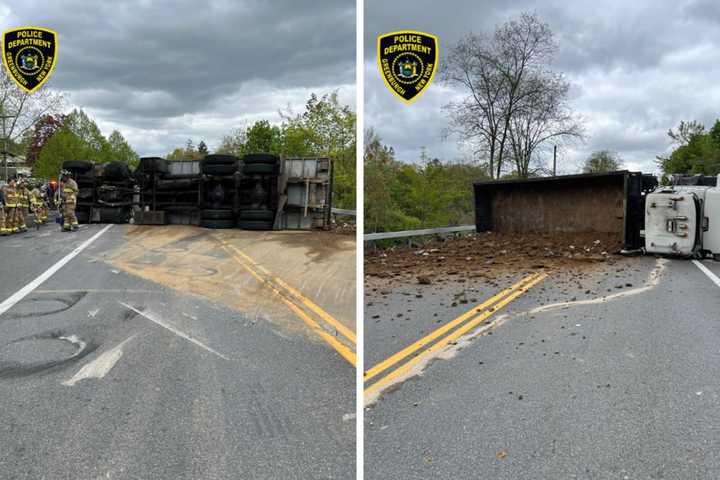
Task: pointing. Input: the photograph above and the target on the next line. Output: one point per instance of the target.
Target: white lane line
(99, 367)
(153, 318)
(707, 272)
(23, 292)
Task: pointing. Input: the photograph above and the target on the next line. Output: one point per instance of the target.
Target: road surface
(124, 364)
(614, 374)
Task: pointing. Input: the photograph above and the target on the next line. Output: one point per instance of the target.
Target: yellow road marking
(387, 363)
(345, 331)
(340, 347)
(454, 336)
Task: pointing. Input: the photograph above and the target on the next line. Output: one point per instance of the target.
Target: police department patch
(29, 54)
(407, 62)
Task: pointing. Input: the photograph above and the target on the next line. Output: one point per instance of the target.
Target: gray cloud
(163, 66)
(636, 69)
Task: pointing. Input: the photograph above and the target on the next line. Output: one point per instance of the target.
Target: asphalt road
(626, 388)
(106, 375)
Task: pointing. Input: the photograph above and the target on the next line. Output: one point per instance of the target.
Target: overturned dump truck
(682, 219)
(255, 192)
(601, 203)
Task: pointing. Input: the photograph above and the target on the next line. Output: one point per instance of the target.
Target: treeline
(325, 128)
(75, 136)
(696, 150)
(402, 196)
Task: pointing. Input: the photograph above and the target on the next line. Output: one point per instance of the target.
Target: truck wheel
(260, 168)
(217, 159)
(208, 223)
(79, 166)
(255, 224)
(211, 214)
(218, 169)
(266, 215)
(255, 158)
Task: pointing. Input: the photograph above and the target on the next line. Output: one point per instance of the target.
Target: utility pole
(554, 160)
(5, 146)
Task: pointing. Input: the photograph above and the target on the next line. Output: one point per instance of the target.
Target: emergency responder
(3, 228)
(21, 205)
(68, 199)
(10, 206)
(36, 204)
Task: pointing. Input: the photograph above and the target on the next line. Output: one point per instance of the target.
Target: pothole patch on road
(44, 351)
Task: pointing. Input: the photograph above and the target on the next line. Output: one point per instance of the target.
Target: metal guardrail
(369, 237)
(342, 211)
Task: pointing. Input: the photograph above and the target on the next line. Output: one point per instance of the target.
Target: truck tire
(256, 158)
(255, 215)
(208, 223)
(218, 169)
(116, 171)
(154, 165)
(260, 168)
(218, 159)
(255, 224)
(210, 214)
(79, 166)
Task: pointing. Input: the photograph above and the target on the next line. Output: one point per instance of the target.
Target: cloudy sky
(165, 71)
(636, 69)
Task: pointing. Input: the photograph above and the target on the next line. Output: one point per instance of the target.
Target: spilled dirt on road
(191, 260)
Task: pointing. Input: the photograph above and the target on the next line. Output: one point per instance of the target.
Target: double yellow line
(344, 340)
(462, 324)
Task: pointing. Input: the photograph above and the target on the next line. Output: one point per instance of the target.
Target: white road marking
(23, 292)
(153, 318)
(99, 367)
(92, 313)
(707, 272)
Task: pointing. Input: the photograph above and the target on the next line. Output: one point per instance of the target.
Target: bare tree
(542, 119)
(22, 109)
(501, 75)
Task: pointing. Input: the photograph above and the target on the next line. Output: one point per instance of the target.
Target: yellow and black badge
(407, 61)
(29, 54)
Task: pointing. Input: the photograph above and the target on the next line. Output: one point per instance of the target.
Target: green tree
(262, 137)
(326, 128)
(63, 145)
(121, 150)
(602, 161)
(202, 148)
(697, 151)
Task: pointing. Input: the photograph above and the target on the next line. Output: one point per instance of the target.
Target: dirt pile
(489, 254)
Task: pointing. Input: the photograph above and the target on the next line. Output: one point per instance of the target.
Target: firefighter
(10, 207)
(36, 204)
(3, 227)
(68, 200)
(21, 210)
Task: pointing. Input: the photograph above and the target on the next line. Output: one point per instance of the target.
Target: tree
(514, 104)
(79, 138)
(262, 137)
(325, 128)
(23, 109)
(602, 161)
(202, 148)
(696, 151)
(36, 138)
(120, 150)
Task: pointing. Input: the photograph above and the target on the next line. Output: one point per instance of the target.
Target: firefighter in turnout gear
(22, 205)
(68, 190)
(37, 206)
(10, 207)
